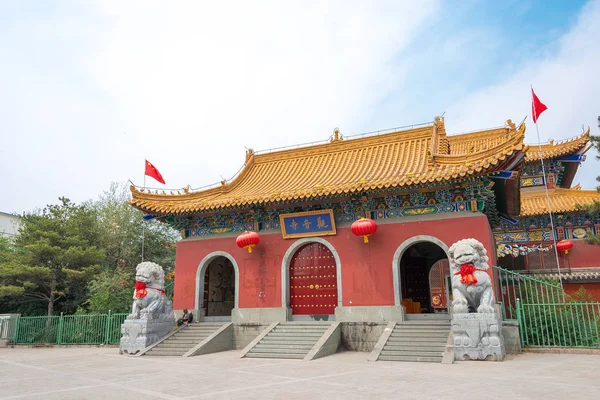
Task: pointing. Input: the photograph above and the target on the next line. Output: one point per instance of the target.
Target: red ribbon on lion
(140, 290)
(466, 274)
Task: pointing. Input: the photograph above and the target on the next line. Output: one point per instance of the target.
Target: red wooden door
(313, 281)
(437, 283)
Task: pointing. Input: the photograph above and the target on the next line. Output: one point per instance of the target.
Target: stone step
(202, 329)
(420, 353)
(282, 350)
(166, 352)
(411, 359)
(415, 343)
(193, 334)
(263, 345)
(288, 341)
(295, 334)
(300, 330)
(422, 328)
(396, 333)
(399, 346)
(175, 339)
(413, 339)
(275, 355)
(175, 345)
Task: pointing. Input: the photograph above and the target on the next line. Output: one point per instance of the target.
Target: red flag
(153, 172)
(537, 107)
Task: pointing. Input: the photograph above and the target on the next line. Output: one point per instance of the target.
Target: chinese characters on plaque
(310, 223)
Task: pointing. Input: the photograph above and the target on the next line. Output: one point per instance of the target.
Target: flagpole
(546, 189)
(143, 222)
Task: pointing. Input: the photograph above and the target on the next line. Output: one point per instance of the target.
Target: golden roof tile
(401, 158)
(557, 149)
(534, 202)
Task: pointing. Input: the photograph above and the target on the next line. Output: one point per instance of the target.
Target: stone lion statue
(471, 284)
(149, 299)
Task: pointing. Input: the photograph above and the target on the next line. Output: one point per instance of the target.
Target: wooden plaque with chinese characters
(313, 281)
(307, 224)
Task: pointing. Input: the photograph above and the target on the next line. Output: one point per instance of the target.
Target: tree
(54, 255)
(595, 207)
(120, 235)
(109, 291)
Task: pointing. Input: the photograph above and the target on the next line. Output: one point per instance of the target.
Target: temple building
(424, 190)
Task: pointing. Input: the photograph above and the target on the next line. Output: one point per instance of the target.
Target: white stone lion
(471, 287)
(149, 299)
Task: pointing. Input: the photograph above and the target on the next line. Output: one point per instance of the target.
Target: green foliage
(110, 291)
(53, 256)
(550, 319)
(582, 296)
(70, 257)
(121, 230)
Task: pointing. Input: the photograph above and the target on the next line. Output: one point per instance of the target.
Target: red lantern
(364, 227)
(247, 240)
(564, 245)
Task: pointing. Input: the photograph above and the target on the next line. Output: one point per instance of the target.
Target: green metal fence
(545, 315)
(511, 285)
(169, 289)
(70, 329)
(568, 324)
(73, 329)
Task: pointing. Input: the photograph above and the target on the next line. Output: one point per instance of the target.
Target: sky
(89, 90)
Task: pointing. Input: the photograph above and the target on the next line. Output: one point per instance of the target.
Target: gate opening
(416, 290)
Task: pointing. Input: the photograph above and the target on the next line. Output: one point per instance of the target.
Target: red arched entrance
(313, 281)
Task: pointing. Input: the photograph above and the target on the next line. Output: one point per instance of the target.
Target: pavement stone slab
(101, 373)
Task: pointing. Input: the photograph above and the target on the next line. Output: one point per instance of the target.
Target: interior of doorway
(219, 290)
(415, 288)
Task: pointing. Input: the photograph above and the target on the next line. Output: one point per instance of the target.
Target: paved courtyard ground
(101, 373)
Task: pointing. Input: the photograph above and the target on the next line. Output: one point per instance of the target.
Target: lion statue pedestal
(476, 326)
(152, 315)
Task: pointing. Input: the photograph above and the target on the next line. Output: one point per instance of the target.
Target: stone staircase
(183, 340)
(289, 340)
(421, 341)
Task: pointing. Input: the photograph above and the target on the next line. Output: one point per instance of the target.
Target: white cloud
(187, 85)
(567, 81)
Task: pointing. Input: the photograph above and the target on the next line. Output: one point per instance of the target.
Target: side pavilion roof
(560, 148)
(534, 201)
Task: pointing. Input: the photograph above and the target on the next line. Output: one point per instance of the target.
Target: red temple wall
(592, 288)
(582, 255)
(367, 277)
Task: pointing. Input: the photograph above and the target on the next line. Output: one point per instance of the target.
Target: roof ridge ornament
(511, 125)
(249, 154)
(336, 136)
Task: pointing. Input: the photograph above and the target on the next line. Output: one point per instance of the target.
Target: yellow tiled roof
(557, 149)
(534, 202)
(397, 159)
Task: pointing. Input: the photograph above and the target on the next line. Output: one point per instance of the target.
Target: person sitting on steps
(187, 318)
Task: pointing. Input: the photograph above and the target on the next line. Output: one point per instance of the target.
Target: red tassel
(140, 285)
(466, 274)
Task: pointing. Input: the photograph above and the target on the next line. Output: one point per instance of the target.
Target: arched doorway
(219, 288)
(217, 281)
(416, 263)
(313, 281)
